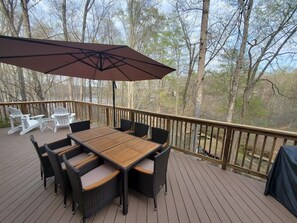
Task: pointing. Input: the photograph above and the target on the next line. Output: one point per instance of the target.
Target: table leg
(125, 192)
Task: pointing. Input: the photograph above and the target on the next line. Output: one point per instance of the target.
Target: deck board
(197, 192)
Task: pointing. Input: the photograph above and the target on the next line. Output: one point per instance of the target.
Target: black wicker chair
(46, 169)
(94, 185)
(75, 156)
(140, 130)
(149, 176)
(80, 126)
(125, 125)
(159, 136)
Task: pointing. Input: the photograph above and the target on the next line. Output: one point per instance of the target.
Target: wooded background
(235, 60)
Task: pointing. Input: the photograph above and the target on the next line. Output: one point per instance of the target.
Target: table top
(89, 134)
(100, 144)
(130, 152)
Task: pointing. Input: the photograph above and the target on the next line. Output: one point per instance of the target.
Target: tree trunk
(239, 62)
(64, 20)
(130, 95)
(27, 28)
(201, 59)
(185, 93)
(66, 38)
(90, 91)
(87, 8)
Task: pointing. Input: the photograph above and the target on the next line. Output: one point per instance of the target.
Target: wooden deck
(197, 192)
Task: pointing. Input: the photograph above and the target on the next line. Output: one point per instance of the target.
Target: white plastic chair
(62, 118)
(28, 122)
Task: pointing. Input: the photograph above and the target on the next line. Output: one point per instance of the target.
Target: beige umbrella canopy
(84, 60)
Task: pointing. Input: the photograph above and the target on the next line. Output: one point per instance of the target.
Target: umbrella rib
(118, 69)
(65, 65)
(142, 70)
(141, 61)
(36, 55)
(95, 64)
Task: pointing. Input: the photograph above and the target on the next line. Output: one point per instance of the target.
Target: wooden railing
(238, 147)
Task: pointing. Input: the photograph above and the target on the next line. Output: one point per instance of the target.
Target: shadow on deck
(197, 192)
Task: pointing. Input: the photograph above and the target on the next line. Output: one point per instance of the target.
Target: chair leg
(73, 207)
(165, 186)
(65, 199)
(44, 182)
(41, 173)
(155, 203)
(56, 190)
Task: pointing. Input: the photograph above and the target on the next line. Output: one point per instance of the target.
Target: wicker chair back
(90, 201)
(125, 125)
(159, 135)
(140, 129)
(80, 126)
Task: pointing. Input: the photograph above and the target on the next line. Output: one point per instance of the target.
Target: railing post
(24, 108)
(90, 111)
(168, 127)
(227, 148)
(107, 116)
(132, 118)
(75, 108)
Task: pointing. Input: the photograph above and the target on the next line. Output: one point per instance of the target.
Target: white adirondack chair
(28, 122)
(62, 118)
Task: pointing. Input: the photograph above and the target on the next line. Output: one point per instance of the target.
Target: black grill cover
(282, 178)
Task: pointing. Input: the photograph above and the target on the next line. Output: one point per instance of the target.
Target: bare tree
(274, 33)
(187, 27)
(36, 81)
(141, 22)
(201, 59)
(246, 9)
(87, 7)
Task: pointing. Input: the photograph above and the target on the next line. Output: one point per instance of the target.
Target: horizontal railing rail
(242, 148)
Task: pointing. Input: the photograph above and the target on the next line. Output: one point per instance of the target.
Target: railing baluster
(271, 154)
(253, 151)
(180, 133)
(199, 139)
(226, 148)
(245, 149)
(217, 142)
(210, 141)
(262, 152)
(190, 136)
(205, 138)
(195, 139)
(237, 148)
(231, 146)
(185, 135)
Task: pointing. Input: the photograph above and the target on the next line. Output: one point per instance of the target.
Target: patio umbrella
(84, 60)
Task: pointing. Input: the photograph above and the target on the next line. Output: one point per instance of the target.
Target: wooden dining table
(123, 150)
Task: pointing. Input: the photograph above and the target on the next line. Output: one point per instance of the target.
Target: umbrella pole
(113, 101)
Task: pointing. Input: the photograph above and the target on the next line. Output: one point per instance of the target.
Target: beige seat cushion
(145, 166)
(76, 160)
(58, 150)
(98, 176)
